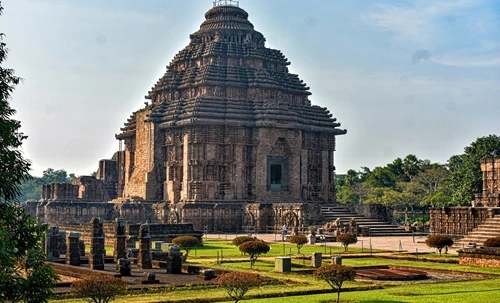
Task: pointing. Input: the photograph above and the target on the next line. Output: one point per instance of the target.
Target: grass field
(291, 287)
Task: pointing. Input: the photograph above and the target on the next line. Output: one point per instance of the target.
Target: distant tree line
(409, 183)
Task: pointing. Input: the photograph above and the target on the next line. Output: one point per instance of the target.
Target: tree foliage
(24, 275)
(335, 275)
(254, 249)
(298, 240)
(187, 243)
(347, 239)
(13, 167)
(404, 185)
(439, 242)
(242, 239)
(237, 284)
(99, 289)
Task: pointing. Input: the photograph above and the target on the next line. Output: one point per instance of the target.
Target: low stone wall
(458, 221)
(486, 257)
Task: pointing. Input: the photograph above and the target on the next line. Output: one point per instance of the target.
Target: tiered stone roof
(227, 76)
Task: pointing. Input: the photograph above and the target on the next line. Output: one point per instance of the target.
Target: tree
(237, 284)
(298, 240)
(254, 249)
(465, 169)
(439, 242)
(13, 167)
(99, 289)
(24, 276)
(187, 243)
(335, 275)
(405, 197)
(242, 239)
(347, 239)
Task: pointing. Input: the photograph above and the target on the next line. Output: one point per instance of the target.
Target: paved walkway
(398, 243)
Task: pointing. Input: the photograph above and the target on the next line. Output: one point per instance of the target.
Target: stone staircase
(489, 229)
(377, 228)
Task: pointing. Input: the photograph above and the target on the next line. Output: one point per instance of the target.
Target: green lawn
(453, 292)
(294, 285)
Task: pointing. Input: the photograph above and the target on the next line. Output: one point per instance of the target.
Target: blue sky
(420, 77)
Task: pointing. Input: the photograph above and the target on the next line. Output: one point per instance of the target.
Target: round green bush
(242, 239)
(492, 242)
(439, 242)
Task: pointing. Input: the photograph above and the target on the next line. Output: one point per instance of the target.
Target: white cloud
(487, 54)
(415, 23)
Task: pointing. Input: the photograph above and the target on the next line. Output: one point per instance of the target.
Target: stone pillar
(144, 257)
(317, 259)
(72, 252)
(48, 243)
(96, 258)
(121, 240)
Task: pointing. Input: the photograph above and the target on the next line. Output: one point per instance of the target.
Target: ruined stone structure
(228, 139)
(459, 221)
(490, 196)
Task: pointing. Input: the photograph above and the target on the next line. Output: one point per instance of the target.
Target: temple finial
(226, 3)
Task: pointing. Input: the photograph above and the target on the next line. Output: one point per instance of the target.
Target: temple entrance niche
(277, 173)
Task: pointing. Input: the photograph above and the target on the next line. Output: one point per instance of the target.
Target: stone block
(317, 259)
(283, 264)
(337, 260)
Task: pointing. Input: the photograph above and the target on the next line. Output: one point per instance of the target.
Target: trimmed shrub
(242, 239)
(492, 242)
(335, 275)
(439, 242)
(347, 239)
(99, 288)
(237, 283)
(254, 249)
(187, 243)
(298, 240)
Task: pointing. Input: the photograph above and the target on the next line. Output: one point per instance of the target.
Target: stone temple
(228, 139)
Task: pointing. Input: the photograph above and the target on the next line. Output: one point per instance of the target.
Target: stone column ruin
(121, 240)
(96, 258)
(72, 252)
(144, 257)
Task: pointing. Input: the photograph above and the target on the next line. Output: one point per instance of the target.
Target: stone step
(377, 227)
(486, 228)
